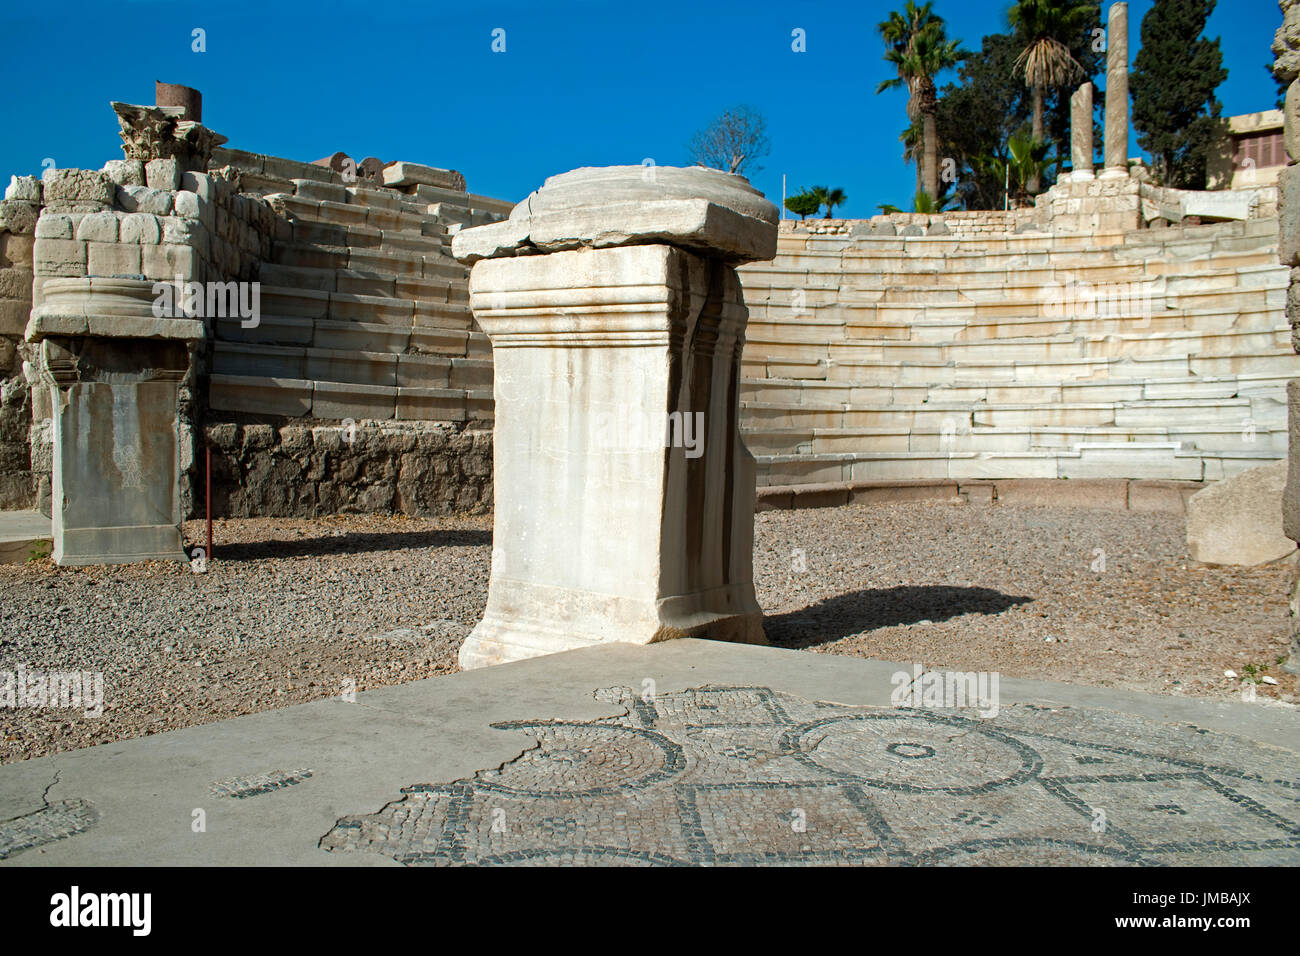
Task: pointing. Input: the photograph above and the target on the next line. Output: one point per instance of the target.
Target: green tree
(1174, 78)
(917, 44)
(989, 103)
(1045, 29)
(803, 203)
(830, 198)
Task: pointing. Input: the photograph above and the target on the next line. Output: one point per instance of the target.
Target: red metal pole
(207, 507)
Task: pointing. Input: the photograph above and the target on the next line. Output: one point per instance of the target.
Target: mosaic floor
(745, 775)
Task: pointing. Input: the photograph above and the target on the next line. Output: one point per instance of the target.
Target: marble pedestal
(115, 374)
(624, 494)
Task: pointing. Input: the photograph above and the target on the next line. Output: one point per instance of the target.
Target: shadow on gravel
(351, 544)
(859, 611)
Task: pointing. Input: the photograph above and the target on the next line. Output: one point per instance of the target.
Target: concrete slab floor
(687, 752)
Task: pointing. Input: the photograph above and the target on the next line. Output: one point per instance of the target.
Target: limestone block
(24, 188)
(1238, 521)
(1291, 120)
(413, 174)
(13, 318)
(98, 227)
(110, 259)
(337, 400)
(81, 187)
(53, 225)
(16, 283)
(201, 184)
(1291, 497)
(18, 217)
(156, 202)
(603, 207)
(1288, 211)
(125, 172)
(59, 257)
(168, 261)
(163, 174)
(140, 228)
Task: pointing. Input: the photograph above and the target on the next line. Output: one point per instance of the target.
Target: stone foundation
(301, 471)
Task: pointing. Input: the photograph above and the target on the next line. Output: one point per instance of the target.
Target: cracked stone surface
(743, 775)
(54, 821)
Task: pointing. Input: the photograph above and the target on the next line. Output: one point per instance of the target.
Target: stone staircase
(364, 314)
(1153, 354)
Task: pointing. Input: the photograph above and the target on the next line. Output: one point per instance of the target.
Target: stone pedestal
(1116, 131)
(114, 374)
(624, 495)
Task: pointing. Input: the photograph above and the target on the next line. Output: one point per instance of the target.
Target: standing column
(1081, 148)
(1116, 139)
(624, 495)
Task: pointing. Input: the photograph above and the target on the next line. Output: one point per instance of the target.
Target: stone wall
(363, 322)
(1142, 354)
(151, 221)
(18, 213)
(304, 470)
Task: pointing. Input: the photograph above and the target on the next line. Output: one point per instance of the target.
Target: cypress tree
(1174, 78)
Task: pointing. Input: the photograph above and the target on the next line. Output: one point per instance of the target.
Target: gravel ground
(297, 610)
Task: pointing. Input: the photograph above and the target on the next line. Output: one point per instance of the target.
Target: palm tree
(832, 198)
(1045, 27)
(917, 45)
(1026, 161)
(913, 148)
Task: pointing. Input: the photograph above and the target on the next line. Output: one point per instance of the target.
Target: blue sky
(580, 83)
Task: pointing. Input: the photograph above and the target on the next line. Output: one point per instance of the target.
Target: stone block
(335, 400)
(163, 174)
(687, 207)
(1291, 496)
(78, 186)
(156, 202)
(1108, 493)
(18, 217)
(1291, 121)
(112, 259)
(24, 188)
(1238, 521)
(413, 174)
(125, 172)
(168, 261)
(98, 227)
(201, 184)
(13, 316)
(53, 225)
(16, 283)
(140, 228)
(1288, 211)
(59, 257)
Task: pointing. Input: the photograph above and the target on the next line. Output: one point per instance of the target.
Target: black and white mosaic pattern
(53, 822)
(257, 784)
(744, 775)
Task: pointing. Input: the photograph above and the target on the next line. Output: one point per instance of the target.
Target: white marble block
(624, 495)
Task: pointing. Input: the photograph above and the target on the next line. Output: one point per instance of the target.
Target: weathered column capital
(624, 496)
